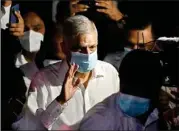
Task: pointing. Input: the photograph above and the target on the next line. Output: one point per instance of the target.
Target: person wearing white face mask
(31, 41)
(5, 13)
(62, 93)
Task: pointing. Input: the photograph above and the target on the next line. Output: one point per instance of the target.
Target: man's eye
(36, 29)
(92, 47)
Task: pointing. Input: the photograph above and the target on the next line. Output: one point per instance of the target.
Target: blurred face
(58, 45)
(141, 39)
(33, 22)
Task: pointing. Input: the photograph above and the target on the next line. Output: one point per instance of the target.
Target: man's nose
(86, 51)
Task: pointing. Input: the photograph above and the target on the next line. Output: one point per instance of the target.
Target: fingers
(102, 4)
(73, 68)
(15, 29)
(20, 19)
(105, 11)
(18, 34)
(77, 83)
(80, 7)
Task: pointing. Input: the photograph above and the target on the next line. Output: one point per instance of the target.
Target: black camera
(91, 4)
(169, 57)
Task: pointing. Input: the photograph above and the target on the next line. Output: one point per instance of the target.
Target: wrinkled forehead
(140, 36)
(84, 40)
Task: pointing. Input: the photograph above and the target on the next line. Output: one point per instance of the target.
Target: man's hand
(70, 85)
(17, 29)
(110, 9)
(75, 7)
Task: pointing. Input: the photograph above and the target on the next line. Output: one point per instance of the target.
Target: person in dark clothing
(138, 34)
(13, 96)
(13, 86)
(135, 106)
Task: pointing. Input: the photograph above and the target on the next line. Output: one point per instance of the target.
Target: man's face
(35, 23)
(86, 43)
(58, 46)
(141, 39)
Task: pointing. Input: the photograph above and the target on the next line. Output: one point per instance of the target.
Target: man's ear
(66, 49)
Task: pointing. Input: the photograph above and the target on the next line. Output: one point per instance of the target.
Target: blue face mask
(133, 105)
(86, 62)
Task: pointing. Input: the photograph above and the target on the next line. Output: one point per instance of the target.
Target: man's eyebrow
(37, 25)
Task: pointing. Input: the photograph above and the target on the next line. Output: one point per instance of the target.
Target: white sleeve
(116, 80)
(36, 116)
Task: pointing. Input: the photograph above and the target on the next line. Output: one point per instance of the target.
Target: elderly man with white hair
(62, 93)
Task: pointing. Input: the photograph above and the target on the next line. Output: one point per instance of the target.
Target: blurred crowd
(89, 65)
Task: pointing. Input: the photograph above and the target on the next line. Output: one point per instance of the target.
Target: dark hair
(141, 74)
(138, 23)
(57, 29)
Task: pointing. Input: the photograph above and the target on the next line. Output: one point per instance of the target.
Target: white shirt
(47, 85)
(20, 60)
(48, 62)
(5, 17)
(30, 69)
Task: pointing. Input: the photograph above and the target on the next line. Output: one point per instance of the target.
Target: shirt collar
(5, 9)
(20, 60)
(97, 72)
(152, 117)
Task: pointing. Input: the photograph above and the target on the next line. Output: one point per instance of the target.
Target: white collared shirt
(5, 16)
(30, 69)
(20, 60)
(47, 85)
(48, 62)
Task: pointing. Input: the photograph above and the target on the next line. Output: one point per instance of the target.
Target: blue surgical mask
(133, 105)
(86, 62)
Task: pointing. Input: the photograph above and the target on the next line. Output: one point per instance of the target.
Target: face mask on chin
(31, 41)
(86, 62)
(133, 105)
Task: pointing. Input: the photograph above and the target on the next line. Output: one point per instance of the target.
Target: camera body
(169, 57)
(90, 3)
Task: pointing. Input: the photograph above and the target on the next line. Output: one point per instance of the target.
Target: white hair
(78, 25)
